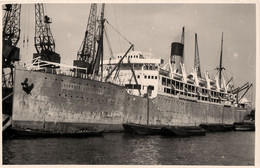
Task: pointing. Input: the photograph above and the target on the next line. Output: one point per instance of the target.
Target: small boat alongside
(182, 131)
(25, 132)
(141, 129)
(217, 127)
(248, 123)
(244, 126)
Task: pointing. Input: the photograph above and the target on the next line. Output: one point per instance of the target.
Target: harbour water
(224, 148)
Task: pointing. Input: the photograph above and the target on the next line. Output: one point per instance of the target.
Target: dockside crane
(43, 41)
(11, 36)
(197, 58)
(10, 53)
(86, 52)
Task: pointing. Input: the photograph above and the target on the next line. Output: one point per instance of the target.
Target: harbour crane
(10, 53)
(86, 52)
(11, 36)
(43, 41)
(197, 58)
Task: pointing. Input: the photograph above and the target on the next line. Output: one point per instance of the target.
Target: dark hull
(182, 131)
(244, 126)
(40, 133)
(217, 127)
(65, 103)
(142, 129)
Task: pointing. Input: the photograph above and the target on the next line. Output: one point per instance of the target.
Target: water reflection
(233, 148)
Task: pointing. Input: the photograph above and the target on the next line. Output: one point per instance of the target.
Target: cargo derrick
(43, 40)
(86, 53)
(10, 53)
(197, 58)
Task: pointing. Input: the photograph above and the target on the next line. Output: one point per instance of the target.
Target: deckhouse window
(163, 81)
(155, 77)
(168, 82)
(177, 85)
(168, 90)
(181, 86)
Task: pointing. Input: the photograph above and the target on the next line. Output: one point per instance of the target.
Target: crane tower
(43, 40)
(86, 52)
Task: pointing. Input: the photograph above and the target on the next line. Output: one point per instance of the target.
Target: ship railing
(67, 70)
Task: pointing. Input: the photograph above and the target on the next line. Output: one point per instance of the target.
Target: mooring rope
(8, 96)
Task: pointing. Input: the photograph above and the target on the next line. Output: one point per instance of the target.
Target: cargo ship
(131, 88)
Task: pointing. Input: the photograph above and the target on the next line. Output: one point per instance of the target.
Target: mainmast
(220, 68)
(99, 54)
(197, 58)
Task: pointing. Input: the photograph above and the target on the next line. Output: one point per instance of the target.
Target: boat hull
(20, 132)
(244, 126)
(142, 129)
(182, 131)
(59, 102)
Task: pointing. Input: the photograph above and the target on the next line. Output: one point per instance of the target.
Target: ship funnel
(176, 56)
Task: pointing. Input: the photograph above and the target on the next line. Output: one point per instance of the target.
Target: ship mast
(197, 58)
(99, 54)
(220, 68)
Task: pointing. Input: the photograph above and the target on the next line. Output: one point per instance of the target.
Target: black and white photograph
(130, 83)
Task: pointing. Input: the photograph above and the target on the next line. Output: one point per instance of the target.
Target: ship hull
(67, 103)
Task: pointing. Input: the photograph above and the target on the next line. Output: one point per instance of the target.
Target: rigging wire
(108, 43)
(119, 33)
(117, 28)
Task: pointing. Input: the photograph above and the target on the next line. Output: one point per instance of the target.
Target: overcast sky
(153, 27)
